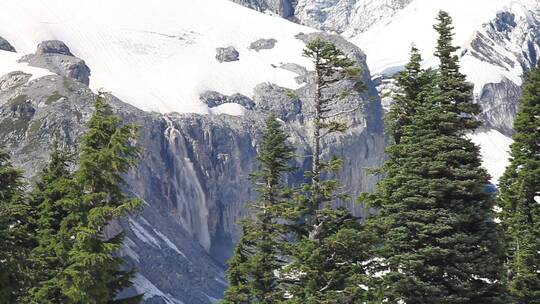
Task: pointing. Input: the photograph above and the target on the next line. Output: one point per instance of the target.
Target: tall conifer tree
(54, 196)
(95, 274)
(440, 244)
(258, 258)
(16, 239)
(327, 258)
(519, 198)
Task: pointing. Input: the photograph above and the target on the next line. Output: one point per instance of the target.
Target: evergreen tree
(238, 273)
(413, 83)
(258, 258)
(519, 198)
(15, 232)
(327, 258)
(440, 244)
(94, 273)
(54, 196)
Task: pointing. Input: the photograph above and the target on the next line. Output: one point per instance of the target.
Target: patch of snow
(169, 243)
(481, 73)
(8, 63)
(494, 148)
(160, 55)
(230, 108)
(497, 209)
(143, 234)
(537, 199)
(144, 286)
(485, 280)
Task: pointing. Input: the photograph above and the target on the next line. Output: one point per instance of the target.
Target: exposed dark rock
(505, 21)
(53, 47)
(6, 46)
(63, 65)
(499, 105)
(263, 44)
(227, 54)
(214, 99)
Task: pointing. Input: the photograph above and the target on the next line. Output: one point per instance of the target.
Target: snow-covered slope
(494, 148)
(388, 42)
(159, 54)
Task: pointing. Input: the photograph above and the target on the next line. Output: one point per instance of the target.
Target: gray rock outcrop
(13, 80)
(53, 47)
(62, 65)
(275, 99)
(263, 44)
(214, 99)
(227, 54)
(6, 46)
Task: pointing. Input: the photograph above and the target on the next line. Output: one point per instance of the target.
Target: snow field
(159, 55)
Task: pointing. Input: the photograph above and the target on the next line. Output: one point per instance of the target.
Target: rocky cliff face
(193, 175)
(509, 45)
(349, 17)
(284, 8)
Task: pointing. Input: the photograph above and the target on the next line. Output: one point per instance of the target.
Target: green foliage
(258, 257)
(439, 243)
(15, 232)
(94, 274)
(54, 196)
(413, 82)
(329, 265)
(75, 256)
(519, 198)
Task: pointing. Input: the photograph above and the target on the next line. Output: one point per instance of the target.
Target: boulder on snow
(6, 46)
(53, 47)
(263, 44)
(227, 54)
